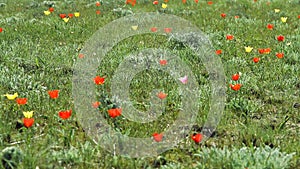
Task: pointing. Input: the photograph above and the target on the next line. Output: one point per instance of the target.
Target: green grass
(38, 53)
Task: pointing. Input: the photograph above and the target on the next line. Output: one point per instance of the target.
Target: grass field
(260, 126)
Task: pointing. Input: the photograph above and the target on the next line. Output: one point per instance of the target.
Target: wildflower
(235, 87)
(197, 137)
(236, 16)
(283, 19)
(76, 14)
(99, 80)
(99, 4)
(184, 79)
(114, 112)
(28, 114)
(53, 94)
(98, 12)
(28, 122)
(167, 30)
(161, 95)
(21, 101)
(96, 104)
(261, 51)
(235, 77)
(153, 29)
(11, 96)
(298, 16)
(229, 37)
(248, 49)
(223, 15)
(51, 9)
(270, 26)
(164, 6)
(65, 114)
(47, 12)
(219, 51)
(184, 1)
(279, 55)
(1, 29)
(277, 10)
(196, 1)
(163, 62)
(256, 59)
(155, 2)
(280, 38)
(157, 137)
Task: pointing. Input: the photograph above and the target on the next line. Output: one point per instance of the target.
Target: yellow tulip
(283, 19)
(76, 14)
(134, 27)
(164, 5)
(248, 49)
(277, 10)
(66, 19)
(28, 114)
(47, 12)
(11, 96)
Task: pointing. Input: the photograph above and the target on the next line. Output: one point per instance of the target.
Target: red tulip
(81, 55)
(267, 50)
(28, 122)
(155, 2)
(51, 9)
(1, 29)
(157, 137)
(163, 62)
(218, 52)
(62, 15)
(98, 3)
(96, 104)
(153, 29)
(280, 38)
(98, 12)
(235, 77)
(184, 1)
(229, 37)
(256, 59)
(196, 1)
(132, 2)
(197, 138)
(210, 2)
(53, 94)
(167, 30)
(99, 80)
(279, 55)
(161, 95)
(223, 15)
(235, 87)
(21, 101)
(270, 26)
(114, 112)
(70, 15)
(65, 114)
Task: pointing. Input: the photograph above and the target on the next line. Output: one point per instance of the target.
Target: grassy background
(38, 52)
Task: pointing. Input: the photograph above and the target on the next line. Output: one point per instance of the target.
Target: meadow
(257, 42)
